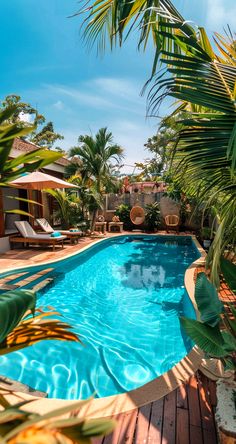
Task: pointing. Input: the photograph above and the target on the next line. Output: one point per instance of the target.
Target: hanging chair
(137, 215)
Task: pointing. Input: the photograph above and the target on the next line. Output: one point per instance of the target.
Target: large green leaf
(230, 341)
(10, 169)
(229, 271)
(209, 305)
(209, 339)
(13, 306)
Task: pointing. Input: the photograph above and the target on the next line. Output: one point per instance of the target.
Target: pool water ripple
(123, 299)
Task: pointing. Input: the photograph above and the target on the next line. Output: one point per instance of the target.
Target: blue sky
(44, 60)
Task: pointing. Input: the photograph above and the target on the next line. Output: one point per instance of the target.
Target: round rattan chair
(172, 222)
(137, 215)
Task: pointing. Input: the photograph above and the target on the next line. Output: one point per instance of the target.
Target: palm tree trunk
(94, 217)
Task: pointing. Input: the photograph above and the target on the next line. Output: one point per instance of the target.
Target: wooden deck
(185, 416)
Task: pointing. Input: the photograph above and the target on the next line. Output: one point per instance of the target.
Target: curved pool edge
(151, 391)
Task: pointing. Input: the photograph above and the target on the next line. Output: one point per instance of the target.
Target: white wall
(4, 245)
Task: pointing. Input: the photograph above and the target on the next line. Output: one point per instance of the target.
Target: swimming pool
(123, 297)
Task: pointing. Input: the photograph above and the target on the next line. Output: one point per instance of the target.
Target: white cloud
(220, 13)
(122, 88)
(58, 105)
(27, 118)
(79, 96)
(103, 94)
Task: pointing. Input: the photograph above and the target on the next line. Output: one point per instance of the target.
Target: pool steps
(6, 283)
(42, 284)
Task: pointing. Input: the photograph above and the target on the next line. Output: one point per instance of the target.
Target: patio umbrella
(40, 181)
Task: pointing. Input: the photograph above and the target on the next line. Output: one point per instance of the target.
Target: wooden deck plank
(182, 397)
(113, 438)
(142, 426)
(156, 420)
(128, 428)
(208, 424)
(169, 418)
(97, 440)
(196, 436)
(182, 426)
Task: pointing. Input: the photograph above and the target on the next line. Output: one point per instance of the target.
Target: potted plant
(152, 216)
(206, 234)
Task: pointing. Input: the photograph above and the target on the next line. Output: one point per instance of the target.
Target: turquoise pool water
(123, 298)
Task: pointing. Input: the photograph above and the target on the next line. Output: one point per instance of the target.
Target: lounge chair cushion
(25, 228)
(43, 223)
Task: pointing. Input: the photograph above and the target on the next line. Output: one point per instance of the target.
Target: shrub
(123, 211)
(152, 216)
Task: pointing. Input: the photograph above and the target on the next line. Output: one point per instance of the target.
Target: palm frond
(113, 20)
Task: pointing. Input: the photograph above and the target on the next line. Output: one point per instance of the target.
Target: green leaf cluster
(215, 334)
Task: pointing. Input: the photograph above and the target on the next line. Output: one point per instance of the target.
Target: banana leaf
(13, 306)
(209, 339)
(209, 305)
(229, 271)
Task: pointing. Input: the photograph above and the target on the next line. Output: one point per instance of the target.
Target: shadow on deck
(185, 416)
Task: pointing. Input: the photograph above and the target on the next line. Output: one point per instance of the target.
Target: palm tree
(96, 155)
(203, 81)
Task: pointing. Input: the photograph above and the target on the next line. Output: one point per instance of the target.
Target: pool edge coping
(149, 392)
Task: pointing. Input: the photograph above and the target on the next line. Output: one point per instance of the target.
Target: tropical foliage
(11, 169)
(19, 330)
(18, 426)
(25, 113)
(215, 333)
(46, 137)
(202, 80)
(152, 216)
(69, 209)
(112, 21)
(161, 146)
(97, 158)
(123, 211)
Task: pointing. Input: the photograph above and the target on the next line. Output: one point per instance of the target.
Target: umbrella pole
(31, 209)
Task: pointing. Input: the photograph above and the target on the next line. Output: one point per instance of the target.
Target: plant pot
(206, 243)
(227, 437)
(226, 411)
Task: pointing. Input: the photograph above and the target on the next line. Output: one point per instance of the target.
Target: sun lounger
(29, 236)
(72, 235)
